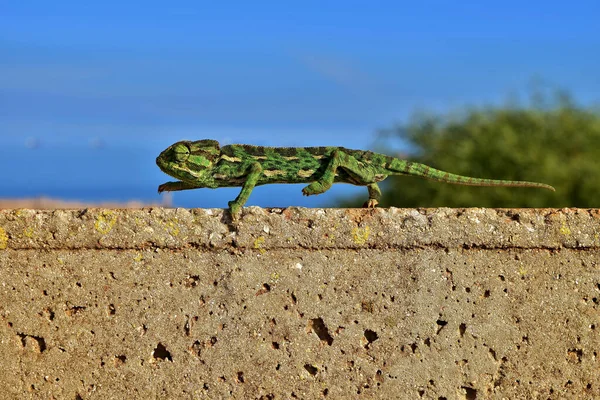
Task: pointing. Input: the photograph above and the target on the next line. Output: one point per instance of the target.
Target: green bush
(557, 144)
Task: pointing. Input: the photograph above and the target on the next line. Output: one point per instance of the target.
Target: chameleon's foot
(162, 188)
(314, 188)
(235, 210)
(371, 203)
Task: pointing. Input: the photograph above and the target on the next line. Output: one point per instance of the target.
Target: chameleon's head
(189, 161)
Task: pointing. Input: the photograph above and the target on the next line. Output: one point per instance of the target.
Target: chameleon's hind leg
(252, 176)
(360, 173)
(374, 196)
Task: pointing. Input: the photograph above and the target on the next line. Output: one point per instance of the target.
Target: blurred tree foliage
(554, 142)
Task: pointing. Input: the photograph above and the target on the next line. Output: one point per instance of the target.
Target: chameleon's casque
(205, 164)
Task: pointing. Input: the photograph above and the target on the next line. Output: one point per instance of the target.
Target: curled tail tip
(545, 186)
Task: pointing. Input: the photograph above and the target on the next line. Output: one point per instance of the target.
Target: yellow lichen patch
(172, 227)
(564, 229)
(258, 244)
(3, 239)
(138, 257)
(361, 235)
(28, 232)
(522, 271)
(105, 222)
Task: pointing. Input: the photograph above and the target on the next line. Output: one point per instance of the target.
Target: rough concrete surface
(300, 303)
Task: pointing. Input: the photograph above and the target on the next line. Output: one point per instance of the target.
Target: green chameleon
(205, 164)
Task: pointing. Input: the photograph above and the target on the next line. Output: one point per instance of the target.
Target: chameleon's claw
(371, 203)
(234, 210)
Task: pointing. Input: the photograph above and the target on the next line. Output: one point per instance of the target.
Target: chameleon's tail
(403, 167)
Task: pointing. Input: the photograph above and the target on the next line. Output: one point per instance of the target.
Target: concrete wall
(300, 303)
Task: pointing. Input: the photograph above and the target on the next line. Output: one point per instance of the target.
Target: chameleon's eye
(181, 152)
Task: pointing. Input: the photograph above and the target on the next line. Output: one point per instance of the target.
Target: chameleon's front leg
(252, 176)
(175, 186)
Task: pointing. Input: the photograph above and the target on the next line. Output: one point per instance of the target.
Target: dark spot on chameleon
(254, 150)
(228, 151)
(317, 151)
(287, 151)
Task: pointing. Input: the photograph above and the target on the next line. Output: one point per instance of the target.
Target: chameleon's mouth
(160, 161)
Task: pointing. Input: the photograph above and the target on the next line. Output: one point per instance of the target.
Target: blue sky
(90, 92)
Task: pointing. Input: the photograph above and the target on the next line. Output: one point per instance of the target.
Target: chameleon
(206, 164)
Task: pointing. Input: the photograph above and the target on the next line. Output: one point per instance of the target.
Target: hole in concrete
(311, 369)
(371, 336)
(502, 278)
(379, 377)
(470, 393)
(111, 309)
(191, 281)
(441, 324)
(318, 327)
(275, 345)
(325, 392)
(72, 310)
(427, 342)
(462, 328)
(239, 377)
(35, 343)
(49, 313)
(574, 355)
(120, 360)
(486, 294)
(265, 288)
(421, 392)
(162, 353)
